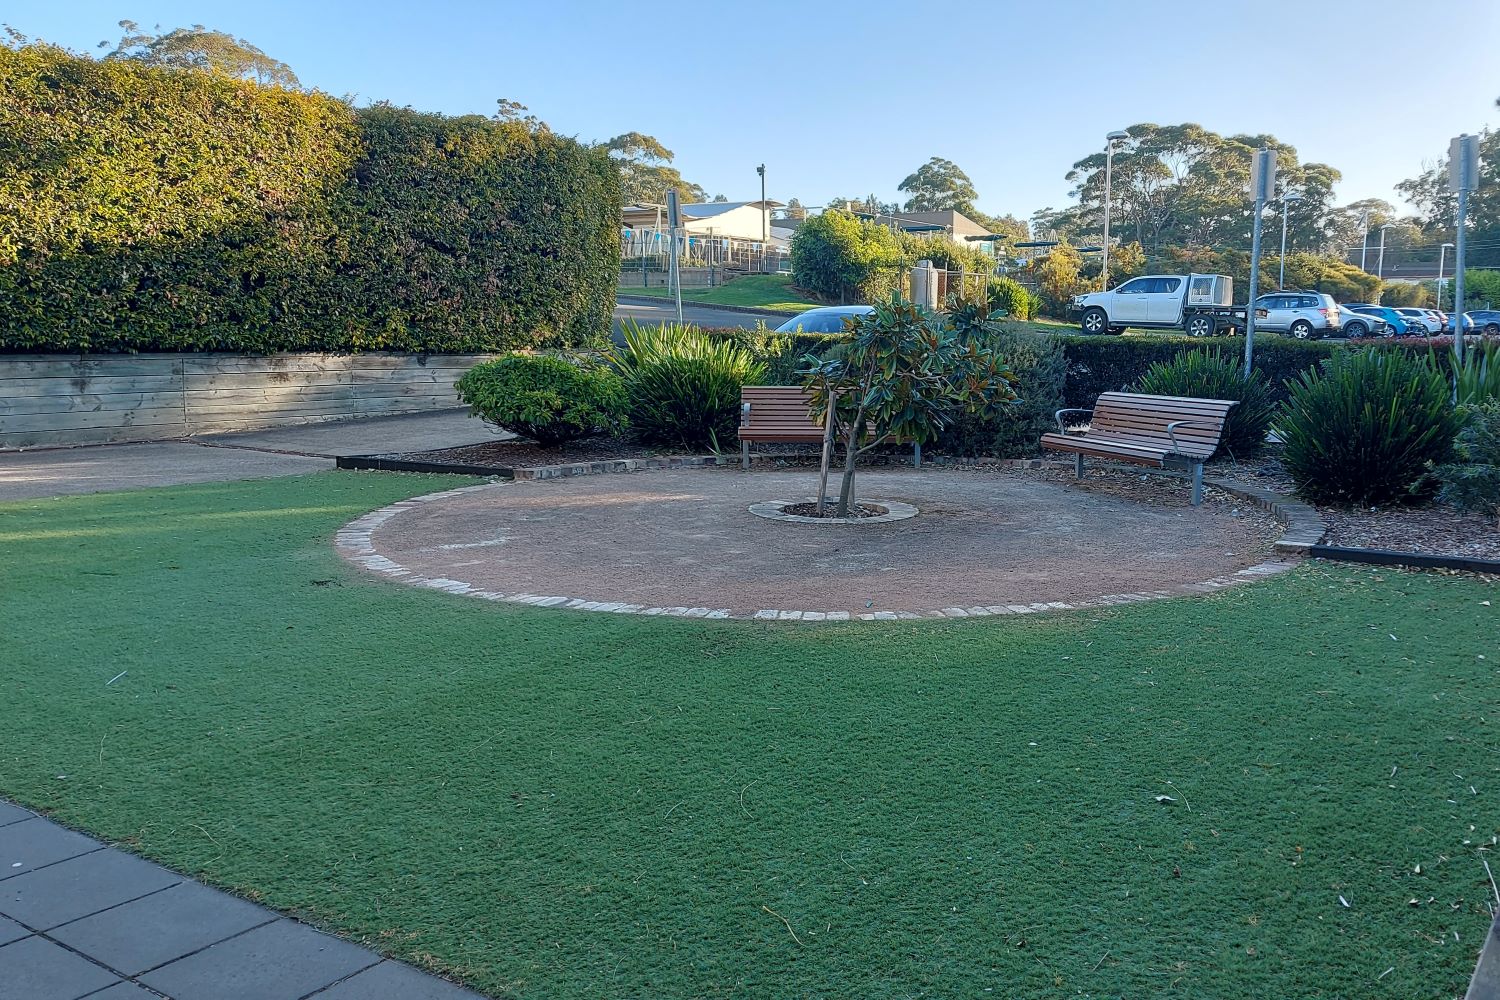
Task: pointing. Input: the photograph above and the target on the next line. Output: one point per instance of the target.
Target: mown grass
(563, 804)
(762, 291)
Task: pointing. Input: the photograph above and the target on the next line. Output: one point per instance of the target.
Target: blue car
(1401, 325)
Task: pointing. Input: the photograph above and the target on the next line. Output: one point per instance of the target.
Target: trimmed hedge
(1110, 364)
(149, 209)
(546, 398)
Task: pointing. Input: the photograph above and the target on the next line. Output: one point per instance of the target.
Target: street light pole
(1442, 259)
(1286, 200)
(1380, 261)
(765, 213)
(1364, 238)
(1109, 163)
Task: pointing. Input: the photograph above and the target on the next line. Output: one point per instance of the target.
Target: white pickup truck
(1199, 304)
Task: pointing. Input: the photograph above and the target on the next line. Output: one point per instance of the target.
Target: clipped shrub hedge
(1014, 431)
(683, 386)
(1216, 374)
(1110, 364)
(149, 209)
(1366, 428)
(548, 399)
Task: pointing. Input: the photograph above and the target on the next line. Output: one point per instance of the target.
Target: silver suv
(1304, 315)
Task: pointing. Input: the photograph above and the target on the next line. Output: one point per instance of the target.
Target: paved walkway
(78, 919)
(279, 451)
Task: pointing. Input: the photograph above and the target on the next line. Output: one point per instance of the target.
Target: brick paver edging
(355, 542)
(1304, 528)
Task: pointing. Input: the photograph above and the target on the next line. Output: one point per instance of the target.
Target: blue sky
(843, 98)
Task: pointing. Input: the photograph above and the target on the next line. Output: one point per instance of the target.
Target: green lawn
(763, 291)
(561, 804)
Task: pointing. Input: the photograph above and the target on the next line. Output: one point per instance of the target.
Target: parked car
(823, 319)
(1423, 319)
(1400, 325)
(1358, 325)
(1486, 321)
(1301, 314)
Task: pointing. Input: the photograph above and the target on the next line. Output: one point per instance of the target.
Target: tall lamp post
(765, 213)
(1442, 259)
(1286, 199)
(1109, 163)
(1380, 261)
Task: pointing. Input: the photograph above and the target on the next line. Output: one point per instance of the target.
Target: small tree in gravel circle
(903, 376)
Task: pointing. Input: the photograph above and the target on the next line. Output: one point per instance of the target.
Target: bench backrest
(1144, 418)
(777, 413)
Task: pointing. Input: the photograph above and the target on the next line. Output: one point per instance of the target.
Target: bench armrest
(744, 414)
(1177, 448)
(1061, 428)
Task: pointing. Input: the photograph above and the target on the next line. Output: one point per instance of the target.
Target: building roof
(708, 209)
(957, 223)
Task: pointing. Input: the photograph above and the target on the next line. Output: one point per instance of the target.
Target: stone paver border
(772, 510)
(79, 918)
(355, 542)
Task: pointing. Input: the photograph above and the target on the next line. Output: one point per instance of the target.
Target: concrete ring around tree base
(774, 510)
(682, 543)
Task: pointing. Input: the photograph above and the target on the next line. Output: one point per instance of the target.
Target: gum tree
(904, 375)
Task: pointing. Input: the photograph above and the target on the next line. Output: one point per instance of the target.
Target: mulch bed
(810, 509)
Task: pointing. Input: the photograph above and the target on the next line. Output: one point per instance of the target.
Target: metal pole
(1109, 162)
(1281, 280)
(1442, 258)
(1458, 275)
(765, 213)
(1364, 239)
(676, 275)
(1260, 207)
(1380, 261)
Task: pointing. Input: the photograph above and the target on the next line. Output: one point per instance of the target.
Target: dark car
(1485, 321)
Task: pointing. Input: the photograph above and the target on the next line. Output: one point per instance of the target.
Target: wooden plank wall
(52, 400)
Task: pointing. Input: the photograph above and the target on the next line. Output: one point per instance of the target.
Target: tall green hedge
(148, 209)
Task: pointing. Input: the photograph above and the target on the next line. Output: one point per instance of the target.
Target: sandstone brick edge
(355, 543)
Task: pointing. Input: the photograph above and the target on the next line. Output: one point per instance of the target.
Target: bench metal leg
(1078, 465)
(1197, 485)
(916, 454)
(745, 455)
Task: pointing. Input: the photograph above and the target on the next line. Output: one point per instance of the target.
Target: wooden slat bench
(781, 413)
(1164, 432)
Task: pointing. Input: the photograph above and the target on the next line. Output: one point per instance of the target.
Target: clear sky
(846, 98)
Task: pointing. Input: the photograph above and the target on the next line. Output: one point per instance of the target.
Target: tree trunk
(827, 457)
(846, 488)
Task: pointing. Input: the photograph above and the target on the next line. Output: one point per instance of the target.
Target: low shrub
(1478, 378)
(1366, 427)
(1473, 482)
(1014, 431)
(545, 398)
(1007, 295)
(781, 353)
(683, 386)
(1215, 374)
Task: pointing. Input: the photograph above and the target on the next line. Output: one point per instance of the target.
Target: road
(698, 315)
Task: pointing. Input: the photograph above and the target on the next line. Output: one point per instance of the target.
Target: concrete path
(78, 919)
(280, 451)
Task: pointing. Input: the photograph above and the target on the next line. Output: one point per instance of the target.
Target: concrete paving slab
(11, 931)
(80, 886)
(395, 981)
(280, 961)
(37, 969)
(27, 475)
(33, 843)
(13, 814)
(125, 991)
(368, 436)
(161, 927)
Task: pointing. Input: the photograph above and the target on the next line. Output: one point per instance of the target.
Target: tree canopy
(646, 171)
(939, 185)
(201, 48)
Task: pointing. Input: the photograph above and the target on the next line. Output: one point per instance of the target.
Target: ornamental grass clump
(683, 387)
(1366, 428)
(548, 399)
(1214, 375)
(1473, 482)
